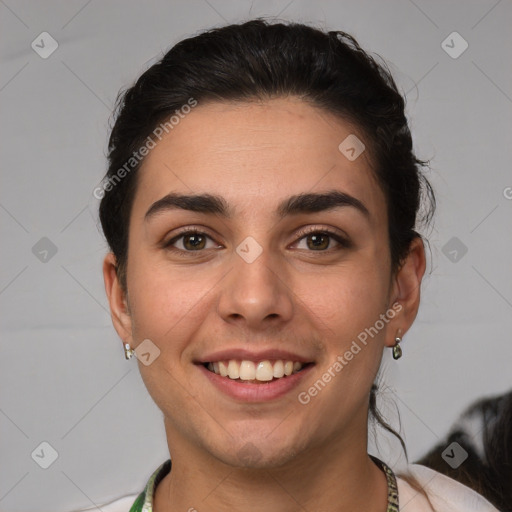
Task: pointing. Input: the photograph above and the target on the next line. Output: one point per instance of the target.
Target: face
(272, 271)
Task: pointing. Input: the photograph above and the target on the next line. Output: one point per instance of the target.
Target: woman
(261, 208)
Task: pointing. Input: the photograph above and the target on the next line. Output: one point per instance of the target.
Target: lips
(242, 367)
(255, 391)
(247, 355)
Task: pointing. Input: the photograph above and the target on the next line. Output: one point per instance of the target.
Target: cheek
(344, 306)
(346, 301)
(168, 309)
(165, 305)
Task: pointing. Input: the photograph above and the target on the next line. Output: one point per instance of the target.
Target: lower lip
(250, 392)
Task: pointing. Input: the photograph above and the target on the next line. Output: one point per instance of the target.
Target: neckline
(165, 468)
(392, 485)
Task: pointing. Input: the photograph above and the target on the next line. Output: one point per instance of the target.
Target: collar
(144, 502)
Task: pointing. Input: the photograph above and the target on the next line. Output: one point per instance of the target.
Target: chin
(258, 453)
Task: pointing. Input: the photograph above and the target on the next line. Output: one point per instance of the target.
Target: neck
(336, 476)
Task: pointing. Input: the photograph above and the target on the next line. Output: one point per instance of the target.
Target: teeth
(247, 370)
(278, 369)
(233, 369)
(223, 369)
(263, 371)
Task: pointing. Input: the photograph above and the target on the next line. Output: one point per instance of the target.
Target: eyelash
(343, 242)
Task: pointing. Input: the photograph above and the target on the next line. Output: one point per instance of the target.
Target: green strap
(392, 485)
(137, 505)
(144, 501)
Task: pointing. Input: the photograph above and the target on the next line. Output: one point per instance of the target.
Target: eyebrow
(294, 205)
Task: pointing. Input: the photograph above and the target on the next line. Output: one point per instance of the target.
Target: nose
(256, 294)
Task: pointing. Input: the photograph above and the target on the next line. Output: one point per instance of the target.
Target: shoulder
(445, 494)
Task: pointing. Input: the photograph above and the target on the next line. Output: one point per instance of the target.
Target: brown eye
(319, 240)
(194, 241)
(190, 241)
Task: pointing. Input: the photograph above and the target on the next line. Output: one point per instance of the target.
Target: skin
(293, 296)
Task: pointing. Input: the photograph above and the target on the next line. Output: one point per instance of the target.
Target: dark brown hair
(484, 431)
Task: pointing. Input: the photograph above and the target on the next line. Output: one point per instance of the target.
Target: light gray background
(64, 379)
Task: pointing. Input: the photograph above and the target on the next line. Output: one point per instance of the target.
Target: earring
(397, 349)
(128, 352)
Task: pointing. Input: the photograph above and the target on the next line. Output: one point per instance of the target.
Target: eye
(319, 240)
(191, 240)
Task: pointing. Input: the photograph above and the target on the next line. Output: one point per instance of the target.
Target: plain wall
(64, 379)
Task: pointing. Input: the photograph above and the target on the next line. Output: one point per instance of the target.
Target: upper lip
(247, 355)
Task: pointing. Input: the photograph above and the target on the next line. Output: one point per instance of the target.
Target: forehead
(256, 153)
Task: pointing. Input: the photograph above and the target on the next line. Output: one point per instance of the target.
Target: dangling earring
(397, 349)
(128, 352)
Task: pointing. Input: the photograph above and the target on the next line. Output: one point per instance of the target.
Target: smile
(252, 372)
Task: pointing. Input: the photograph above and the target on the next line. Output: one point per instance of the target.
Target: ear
(405, 291)
(119, 310)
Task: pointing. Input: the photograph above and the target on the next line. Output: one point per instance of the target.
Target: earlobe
(406, 289)
(117, 299)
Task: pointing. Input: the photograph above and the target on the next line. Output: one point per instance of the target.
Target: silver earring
(397, 349)
(128, 352)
